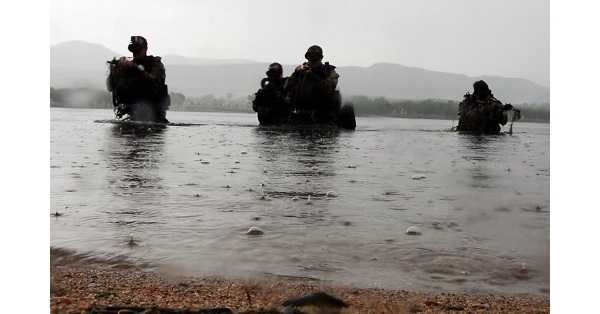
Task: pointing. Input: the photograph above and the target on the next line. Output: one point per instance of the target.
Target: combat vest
(481, 115)
(129, 87)
(270, 94)
(310, 93)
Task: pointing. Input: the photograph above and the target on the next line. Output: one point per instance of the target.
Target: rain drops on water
(413, 230)
(254, 231)
(56, 214)
(131, 242)
(331, 194)
(309, 202)
(264, 197)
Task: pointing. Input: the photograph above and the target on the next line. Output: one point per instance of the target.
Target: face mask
(272, 73)
(134, 47)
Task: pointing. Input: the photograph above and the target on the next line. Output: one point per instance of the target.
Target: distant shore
(76, 285)
(188, 109)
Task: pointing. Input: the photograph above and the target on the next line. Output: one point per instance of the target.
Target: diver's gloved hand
(507, 107)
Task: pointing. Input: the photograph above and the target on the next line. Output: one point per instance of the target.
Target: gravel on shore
(76, 288)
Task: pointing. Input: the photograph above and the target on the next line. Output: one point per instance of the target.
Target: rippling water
(181, 199)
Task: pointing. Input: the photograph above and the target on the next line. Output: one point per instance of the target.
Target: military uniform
(140, 90)
(481, 115)
(269, 101)
(314, 92)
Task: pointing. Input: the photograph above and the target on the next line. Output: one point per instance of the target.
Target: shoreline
(75, 287)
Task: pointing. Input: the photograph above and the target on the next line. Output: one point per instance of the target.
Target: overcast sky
(509, 38)
(436, 35)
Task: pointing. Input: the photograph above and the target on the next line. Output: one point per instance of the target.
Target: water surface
(187, 193)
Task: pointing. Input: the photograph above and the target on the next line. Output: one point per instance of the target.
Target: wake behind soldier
(481, 112)
(138, 85)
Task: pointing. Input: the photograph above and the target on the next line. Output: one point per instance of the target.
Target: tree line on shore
(363, 105)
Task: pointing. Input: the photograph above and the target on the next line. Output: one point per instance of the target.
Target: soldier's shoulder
(494, 100)
(156, 59)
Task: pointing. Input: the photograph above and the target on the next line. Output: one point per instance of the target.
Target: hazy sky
(509, 38)
(436, 35)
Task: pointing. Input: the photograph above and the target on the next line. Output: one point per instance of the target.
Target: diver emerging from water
(138, 85)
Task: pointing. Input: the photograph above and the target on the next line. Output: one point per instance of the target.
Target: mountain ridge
(83, 64)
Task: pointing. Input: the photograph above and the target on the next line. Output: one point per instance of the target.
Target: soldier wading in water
(269, 102)
(481, 112)
(312, 89)
(138, 85)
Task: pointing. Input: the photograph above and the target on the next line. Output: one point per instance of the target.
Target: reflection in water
(299, 154)
(479, 149)
(134, 157)
(302, 165)
(134, 153)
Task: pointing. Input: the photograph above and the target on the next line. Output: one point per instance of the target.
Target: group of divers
(308, 97)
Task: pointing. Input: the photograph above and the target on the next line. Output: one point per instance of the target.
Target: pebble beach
(77, 286)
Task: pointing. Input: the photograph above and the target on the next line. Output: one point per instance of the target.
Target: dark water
(186, 195)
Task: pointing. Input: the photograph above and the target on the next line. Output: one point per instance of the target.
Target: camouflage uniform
(316, 92)
(136, 85)
(481, 115)
(325, 79)
(269, 101)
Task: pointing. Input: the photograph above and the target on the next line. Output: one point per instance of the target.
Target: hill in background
(80, 64)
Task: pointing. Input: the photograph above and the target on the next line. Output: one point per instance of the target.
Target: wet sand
(75, 288)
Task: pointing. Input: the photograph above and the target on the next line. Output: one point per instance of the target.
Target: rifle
(115, 62)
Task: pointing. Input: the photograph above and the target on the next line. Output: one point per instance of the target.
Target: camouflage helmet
(314, 49)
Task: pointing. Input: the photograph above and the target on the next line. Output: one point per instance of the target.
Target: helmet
(480, 88)
(314, 52)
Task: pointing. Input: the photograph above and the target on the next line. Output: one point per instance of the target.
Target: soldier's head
(314, 54)
(138, 46)
(481, 89)
(275, 70)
